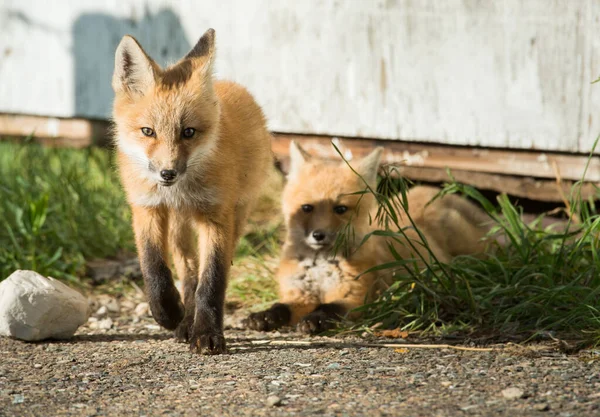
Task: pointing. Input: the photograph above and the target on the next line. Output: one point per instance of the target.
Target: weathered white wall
(512, 73)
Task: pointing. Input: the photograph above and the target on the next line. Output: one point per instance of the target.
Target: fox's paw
(272, 319)
(207, 343)
(184, 330)
(262, 321)
(316, 322)
(168, 312)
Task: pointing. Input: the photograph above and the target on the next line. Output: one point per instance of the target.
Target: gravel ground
(122, 364)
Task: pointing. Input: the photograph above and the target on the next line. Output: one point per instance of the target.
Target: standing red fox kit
(192, 154)
(318, 201)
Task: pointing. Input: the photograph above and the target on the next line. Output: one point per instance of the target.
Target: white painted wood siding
(512, 73)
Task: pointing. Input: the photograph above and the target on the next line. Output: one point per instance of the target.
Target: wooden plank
(493, 161)
(516, 173)
(418, 170)
(53, 131)
(524, 187)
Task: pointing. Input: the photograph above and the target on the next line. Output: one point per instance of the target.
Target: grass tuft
(59, 207)
(531, 281)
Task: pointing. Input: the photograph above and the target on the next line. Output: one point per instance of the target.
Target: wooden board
(458, 161)
(516, 163)
(54, 131)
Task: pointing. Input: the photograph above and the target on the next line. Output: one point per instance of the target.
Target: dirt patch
(135, 368)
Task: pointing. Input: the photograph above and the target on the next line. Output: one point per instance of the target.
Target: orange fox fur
(192, 154)
(316, 288)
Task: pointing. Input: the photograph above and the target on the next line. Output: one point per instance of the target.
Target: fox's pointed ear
(134, 69)
(298, 157)
(368, 166)
(205, 47)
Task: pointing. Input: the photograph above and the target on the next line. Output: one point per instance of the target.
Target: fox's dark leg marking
(207, 332)
(277, 316)
(322, 318)
(162, 295)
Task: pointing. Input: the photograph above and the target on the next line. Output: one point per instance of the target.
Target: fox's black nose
(168, 174)
(318, 235)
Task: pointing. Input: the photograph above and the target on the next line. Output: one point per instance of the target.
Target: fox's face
(166, 120)
(320, 198)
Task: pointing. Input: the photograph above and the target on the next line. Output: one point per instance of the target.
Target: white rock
(101, 312)
(273, 401)
(113, 305)
(127, 305)
(33, 307)
(104, 324)
(512, 393)
(142, 309)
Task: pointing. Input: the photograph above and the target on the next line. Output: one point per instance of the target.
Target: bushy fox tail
(456, 223)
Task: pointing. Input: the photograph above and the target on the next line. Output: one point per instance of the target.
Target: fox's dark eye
(147, 131)
(307, 208)
(340, 209)
(188, 132)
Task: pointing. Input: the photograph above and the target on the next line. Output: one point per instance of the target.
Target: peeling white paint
(515, 73)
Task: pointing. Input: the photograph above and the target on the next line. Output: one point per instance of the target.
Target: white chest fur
(318, 276)
(178, 196)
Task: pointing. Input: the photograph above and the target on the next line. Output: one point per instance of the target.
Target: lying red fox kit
(192, 154)
(315, 288)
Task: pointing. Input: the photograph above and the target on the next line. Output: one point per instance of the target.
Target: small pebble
(141, 309)
(101, 312)
(469, 407)
(104, 324)
(18, 399)
(541, 407)
(113, 306)
(512, 393)
(334, 365)
(273, 401)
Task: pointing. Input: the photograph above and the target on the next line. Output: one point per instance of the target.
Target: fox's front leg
(284, 313)
(324, 317)
(294, 302)
(184, 251)
(339, 302)
(150, 227)
(216, 249)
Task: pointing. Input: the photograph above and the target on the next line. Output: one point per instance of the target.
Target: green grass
(538, 281)
(252, 283)
(59, 207)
